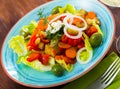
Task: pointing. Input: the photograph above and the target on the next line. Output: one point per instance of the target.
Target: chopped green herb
(45, 20)
(40, 13)
(57, 35)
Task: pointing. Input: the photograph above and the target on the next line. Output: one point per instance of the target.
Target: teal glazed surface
(30, 77)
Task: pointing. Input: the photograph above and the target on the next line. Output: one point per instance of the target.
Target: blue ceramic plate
(27, 76)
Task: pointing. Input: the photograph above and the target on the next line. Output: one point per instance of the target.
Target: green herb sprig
(41, 16)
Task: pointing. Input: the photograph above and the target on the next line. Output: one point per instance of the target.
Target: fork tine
(110, 67)
(107, 77)
(113, 77)
(110, 70)
(117, 69)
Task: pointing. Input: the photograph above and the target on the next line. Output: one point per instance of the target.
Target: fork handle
(95, 85)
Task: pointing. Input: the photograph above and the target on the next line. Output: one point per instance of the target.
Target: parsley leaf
(40, 13)
(45, 20)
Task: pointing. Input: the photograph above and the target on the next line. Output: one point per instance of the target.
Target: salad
(56, 42)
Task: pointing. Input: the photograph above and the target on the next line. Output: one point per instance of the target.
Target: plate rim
(67, 81)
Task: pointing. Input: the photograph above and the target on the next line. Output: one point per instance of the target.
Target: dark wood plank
(11, 11)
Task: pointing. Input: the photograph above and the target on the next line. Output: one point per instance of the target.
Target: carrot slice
(76, 20)
(63, 45)
(71, 52)
(58, 57)
(68, 60)
(91, 15)
(41, 25)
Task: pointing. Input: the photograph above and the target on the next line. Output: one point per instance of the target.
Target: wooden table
(11, 11)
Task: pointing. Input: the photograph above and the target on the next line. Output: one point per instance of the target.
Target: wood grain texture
(11, 11)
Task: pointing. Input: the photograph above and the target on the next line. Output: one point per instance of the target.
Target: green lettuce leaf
(30, 28)
(17, 43)
(68, 8)
(98, 28)
(36, 64)
(87, 43)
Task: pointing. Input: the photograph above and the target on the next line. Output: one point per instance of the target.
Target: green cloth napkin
(95, 73)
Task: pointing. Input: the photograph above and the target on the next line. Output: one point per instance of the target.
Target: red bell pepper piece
(70, 41)
(62, 18)
(64, 38)
(31, 44)
(33, 56)
(44, 59)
